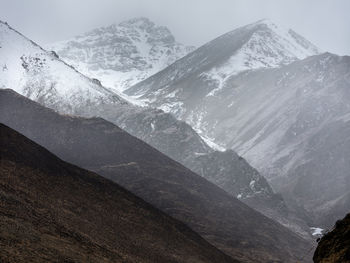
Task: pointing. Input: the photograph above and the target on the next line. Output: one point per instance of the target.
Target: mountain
(41, 76)
(335, 245)
(259, 45)
(100, 146)
(50, 87)
(289, 121)
(121, 55)
(52, 211)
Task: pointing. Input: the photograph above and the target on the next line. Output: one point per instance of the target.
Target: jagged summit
(142, 23)
(123, 54)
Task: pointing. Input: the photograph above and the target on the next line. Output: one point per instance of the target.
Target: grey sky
(326, 23)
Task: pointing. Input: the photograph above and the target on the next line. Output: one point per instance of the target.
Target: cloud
(324, 22)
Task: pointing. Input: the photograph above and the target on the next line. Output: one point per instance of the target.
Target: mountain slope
(100, 146)
(52, 211)
(335, 245)
(172, 137)
(41, 76)
(124, 54)
(288, 121)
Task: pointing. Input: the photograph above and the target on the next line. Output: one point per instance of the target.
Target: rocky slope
(100, 146)
(288, 121)
(335, 246)
(69, 92)
(52, 211)
(121, 55)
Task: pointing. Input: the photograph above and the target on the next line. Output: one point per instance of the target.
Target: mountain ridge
(122, 54)
(54, 211)
(258, 45)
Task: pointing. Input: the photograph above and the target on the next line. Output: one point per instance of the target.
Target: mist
(195, 22)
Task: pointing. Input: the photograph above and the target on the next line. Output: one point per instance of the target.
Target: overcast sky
(326, 23)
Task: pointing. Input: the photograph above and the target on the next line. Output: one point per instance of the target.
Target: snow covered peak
(268, 45)
(302, 47)
(271, 45)
(124, 54)
(146, 27)
(41, 76)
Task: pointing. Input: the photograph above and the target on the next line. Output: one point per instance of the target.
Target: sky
(326, 23)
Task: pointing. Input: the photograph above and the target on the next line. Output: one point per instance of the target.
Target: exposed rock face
(100, 146)
(335, 246)
(51, 211)
(124, 54)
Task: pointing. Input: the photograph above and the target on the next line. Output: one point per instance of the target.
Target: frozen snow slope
(124, 54)
(41, 76)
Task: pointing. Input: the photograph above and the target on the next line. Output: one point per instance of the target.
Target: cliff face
(335, 246)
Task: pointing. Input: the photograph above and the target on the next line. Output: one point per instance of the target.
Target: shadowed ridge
(51, 211)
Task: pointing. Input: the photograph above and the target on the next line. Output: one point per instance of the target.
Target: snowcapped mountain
(42, 77)
(269, 46)
(124, 54)
(259, 45)
(251, 90)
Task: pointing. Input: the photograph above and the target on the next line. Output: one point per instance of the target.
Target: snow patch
(316, 231)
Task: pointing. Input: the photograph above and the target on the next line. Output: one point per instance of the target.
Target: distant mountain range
(100, 146)
(39, 79)
(262, 91)
(268, 94)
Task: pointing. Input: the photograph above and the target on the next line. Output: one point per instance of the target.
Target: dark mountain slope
(51, 211)
(99, 145)
(334, 247)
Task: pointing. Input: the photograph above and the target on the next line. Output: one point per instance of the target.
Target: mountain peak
(262, 44)
(29, 69)
(123, 54)
(285, 36)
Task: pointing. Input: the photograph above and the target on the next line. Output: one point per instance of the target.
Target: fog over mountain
(228, 120)
(193, 22)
